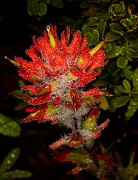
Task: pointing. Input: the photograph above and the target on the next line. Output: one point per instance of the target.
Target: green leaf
(127, 73)
(114, 53)
(17, 94)
(136, 97)
(104, 103)
(131, 111)
(133, 43)
(57, 3)
(92, 21)
(103, 16)
(107, 47)
(124, 50)
(127, 85)
(117, 28)
(112, 105)
(135, 78)
(14, 174)
(93, 37)
(8, 127)
(101, 27)
(134, 102)
(117, 10)
(112, 36)
(122, 61)
(130, 23)
(132, 54)
(119, 90)
(32, 7)
(135, 90)
(122, 100)
(20, 106)
(42, 9)
(86, 28)
(9, 160)
(99, 82)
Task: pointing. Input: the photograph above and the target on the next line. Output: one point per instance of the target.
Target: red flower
(57, 70)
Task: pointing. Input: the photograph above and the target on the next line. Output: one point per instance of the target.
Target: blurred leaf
(122, 61)
(32, 7)
(130, 23)
(101, 27)
(133, 43)
(127, 73)
(118, 90)
(132, 54)
(8, 127)
(9, 160)
(117, 10)
(99, 83)
(57, 3)
(86, 28)
(103, 16)
(17, 94)
(103, 103)
(134, 102)
(107, 47)
(136, 97)
(122, 100)
(21, 106)
(135, 78)
(112, 36)
(117, 28)
(42, 9)
(135, 90)
(14, 174)
(124, 50)
(93, 37)
(112, 105)
(114, 53)
(92, 21)
(130, 111)
(127, 85)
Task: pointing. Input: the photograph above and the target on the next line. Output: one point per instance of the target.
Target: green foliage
(117, 24)
(127, 171)
(39, 7)
(8, 162)
(8, 127)
(18, 94)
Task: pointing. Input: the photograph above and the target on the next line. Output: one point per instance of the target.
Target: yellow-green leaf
(135, 78)
(8, 127)
(130, 111)
(122, 100)
(122, 61)
(127, 85)
(9, 160)
(14, 174)
(104, 103)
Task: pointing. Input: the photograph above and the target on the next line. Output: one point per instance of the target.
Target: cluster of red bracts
(58, 70)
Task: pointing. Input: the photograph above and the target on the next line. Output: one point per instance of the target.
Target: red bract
(58, 68)
(57, 71)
